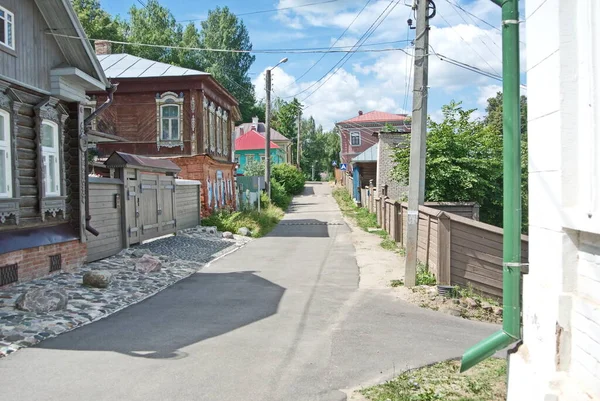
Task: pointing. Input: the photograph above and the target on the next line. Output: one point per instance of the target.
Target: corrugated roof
(261, 129)
(127, 66)
(376, 116)
(252, 140)
(369, 155)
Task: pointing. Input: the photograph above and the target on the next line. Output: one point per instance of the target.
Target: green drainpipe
(511, 327)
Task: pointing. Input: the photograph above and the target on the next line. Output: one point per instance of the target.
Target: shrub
(259, 223)
(279, 197)
(255, 168)
(288, 176)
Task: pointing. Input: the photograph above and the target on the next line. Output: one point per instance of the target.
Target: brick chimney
(359, 112)
(102, 47)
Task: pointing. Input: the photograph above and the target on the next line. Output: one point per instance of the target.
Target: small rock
(97, 278)
(487, 307)
(138, 253)
(43, 300)
(244, 231)
(498, 311)
(452, 310)
(148, 264)
(471, 303)
(228, 235)
(432, 291)
(13, 338)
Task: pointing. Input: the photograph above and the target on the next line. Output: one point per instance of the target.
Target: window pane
(52, 169)
(48, 135)
(3, 170)
(1, 13)
(165, 129)
(9, 34)
(9, 17)
(87, 111)
(175, 129)
(2, 134)
(170, 111)
(2, 33)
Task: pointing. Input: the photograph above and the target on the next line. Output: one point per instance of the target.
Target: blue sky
(367, 81)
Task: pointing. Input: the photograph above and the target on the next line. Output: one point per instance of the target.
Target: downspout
(87, 126)
(511, 266)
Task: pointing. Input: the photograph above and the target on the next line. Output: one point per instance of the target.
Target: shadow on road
(202, 306)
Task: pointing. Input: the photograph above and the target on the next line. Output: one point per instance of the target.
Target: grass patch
(396, 283)
(424, 276)
(364, 219)
(442, 381)
(260, 223)
(470, 292)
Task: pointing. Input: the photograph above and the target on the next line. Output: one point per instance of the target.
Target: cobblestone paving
(181, 256)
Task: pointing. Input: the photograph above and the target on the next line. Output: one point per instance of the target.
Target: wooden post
(397, 222)
(401, 228)
(444, 242)
(427, 241)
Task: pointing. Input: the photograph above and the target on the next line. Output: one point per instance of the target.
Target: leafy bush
(279, 197)
(259, 223)
(288, 176)
(255, 168)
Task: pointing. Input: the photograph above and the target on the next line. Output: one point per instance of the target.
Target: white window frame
(6, 145)
(250, 157)
(171, 119)
(164, 100)
(46, 153)
(4, 20)
(357, 133)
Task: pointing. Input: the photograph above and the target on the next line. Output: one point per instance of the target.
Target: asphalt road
(281, 319)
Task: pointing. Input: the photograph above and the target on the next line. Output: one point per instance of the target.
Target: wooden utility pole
(268, 133)
(418, 136)
(298, 151)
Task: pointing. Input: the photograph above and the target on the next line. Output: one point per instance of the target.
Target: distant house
(43, 138)
(162, 110)
(281, 140)
(251, 147)
(357, 132)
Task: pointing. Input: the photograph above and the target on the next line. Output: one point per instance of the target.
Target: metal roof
(127, 66)
(252, 140)
(261, 129)
(376, 116)
(121, 159)
(369, 155)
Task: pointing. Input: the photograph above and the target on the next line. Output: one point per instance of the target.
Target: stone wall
(35, 262)
(388, 141)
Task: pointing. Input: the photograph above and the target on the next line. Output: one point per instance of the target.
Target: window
(355, 138)
(51, 160)
(169, 123)
(5, 156)
(249, 158)
(7, 28)
(262, 159)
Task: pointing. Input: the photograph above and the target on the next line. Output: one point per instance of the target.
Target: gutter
(511, 258)
(84, 135)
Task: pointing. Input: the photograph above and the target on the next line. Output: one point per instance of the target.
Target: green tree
(223, 30)
(190, 58)
(97, 23)
(154, 24)
(463, 162)
(255, 168)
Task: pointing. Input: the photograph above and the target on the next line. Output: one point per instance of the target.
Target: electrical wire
(346, 57)
(261, 51)
(473, 15)
(468, 44)
(484, 31)
(337, 40)
(272, 10)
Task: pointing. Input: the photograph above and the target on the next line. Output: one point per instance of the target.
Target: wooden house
(46, 67)
(166, 111)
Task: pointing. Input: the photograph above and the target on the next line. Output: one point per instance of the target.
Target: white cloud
(486, 92)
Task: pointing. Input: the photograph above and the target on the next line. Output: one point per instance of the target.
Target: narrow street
(281, 319)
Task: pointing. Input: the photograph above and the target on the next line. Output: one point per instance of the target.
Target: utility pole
(418, 136)
(268, 133)
(298, 151)
(268, 127)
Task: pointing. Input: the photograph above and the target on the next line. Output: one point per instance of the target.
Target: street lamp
(268, 128)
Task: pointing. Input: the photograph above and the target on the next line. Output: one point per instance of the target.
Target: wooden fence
(457, 248)
(108, 198)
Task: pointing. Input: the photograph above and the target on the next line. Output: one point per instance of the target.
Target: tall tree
(154, 24)
(190, 38)
(223, 30)
(97, 23)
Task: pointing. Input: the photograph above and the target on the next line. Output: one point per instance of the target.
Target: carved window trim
(193, 124)
(90, 104)
(169, 99)
(219, 118)
(226, 135)
(205, 129)
(10, 206)
(212, 128)
(50, 110)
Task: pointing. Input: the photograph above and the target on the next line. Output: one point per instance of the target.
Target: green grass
(260, 223)
(364, 219)
(424, 276)
(470, 292)
(442, 381)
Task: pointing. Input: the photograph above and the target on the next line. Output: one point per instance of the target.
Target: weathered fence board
(188, 203)
(107, 218)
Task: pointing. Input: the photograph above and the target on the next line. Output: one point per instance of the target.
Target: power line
(272, 10)
(468, 44)
(473, 15)
(484, 31)
(358, 44)
(260, 51)
(337, 40)
(536, 10)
